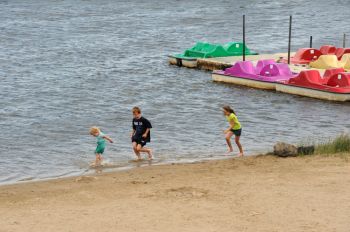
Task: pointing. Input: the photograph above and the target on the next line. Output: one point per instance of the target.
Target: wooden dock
(220, 63)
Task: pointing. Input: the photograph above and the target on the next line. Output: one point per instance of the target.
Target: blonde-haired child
(101, 143)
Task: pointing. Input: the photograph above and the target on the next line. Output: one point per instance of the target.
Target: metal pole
(290, 37)
(243, 37)
(344, 39)
(310, 41)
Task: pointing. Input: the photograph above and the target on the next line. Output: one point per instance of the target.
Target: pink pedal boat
(264, 76)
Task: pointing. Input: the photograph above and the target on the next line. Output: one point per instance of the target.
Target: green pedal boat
(208, 50)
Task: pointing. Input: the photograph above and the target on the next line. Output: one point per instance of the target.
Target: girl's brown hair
(228, 109)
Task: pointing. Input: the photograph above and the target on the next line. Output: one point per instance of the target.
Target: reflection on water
(68, 65)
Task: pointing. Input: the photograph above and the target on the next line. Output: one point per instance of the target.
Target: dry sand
(249, 194)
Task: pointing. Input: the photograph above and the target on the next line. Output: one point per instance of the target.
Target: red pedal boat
(334, 85)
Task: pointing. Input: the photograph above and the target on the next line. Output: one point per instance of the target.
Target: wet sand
(261, 193)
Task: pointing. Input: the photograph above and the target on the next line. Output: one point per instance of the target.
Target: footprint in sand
(186, 192)
(85, 179)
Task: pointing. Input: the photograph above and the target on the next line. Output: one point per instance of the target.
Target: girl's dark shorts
(237, 132)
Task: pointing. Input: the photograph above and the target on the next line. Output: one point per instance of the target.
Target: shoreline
(255, 193)
(115, 168)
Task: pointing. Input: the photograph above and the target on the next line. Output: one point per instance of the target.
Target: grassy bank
(338, 145)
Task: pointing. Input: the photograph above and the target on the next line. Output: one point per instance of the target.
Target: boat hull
(244, 82)
(313, 93)
(189, 63)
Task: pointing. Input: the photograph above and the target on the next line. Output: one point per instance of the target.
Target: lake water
(68, 65)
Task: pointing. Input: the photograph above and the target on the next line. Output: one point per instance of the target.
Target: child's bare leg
(239, 145)
(228, 141)
(150, 154)
(146, 150)
(137, 153)
(98, 159)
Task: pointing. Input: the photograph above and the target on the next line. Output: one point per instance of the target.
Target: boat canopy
(307, 78)
(345, 61)
(328, 49)
(305, 55)
(330, 72)
(326, 61)
(264, 68)
(210, 50)
(332, 80)
(341, 80)
(332, 50)
(204, 50)
(236, 49)
(341, 51)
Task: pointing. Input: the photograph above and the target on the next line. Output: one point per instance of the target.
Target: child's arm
(146, 133)
(232, 125)
(108, 138)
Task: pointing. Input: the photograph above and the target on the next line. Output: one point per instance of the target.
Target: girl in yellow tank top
(234, 129)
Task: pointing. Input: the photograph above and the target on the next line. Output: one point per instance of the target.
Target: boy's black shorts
(137, 140)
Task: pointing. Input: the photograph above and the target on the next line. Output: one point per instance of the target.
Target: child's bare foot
(95, 164)
(240, 155)
(229, 152)
(150, 155)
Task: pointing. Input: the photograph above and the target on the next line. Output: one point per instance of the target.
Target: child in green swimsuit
(101, 143)
(234, 129)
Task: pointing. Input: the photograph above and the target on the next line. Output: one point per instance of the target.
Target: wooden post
(243, 37)
(344, 39)
(290, 37)
(310, 41)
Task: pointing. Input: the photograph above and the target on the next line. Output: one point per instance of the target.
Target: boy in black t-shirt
(141, 133)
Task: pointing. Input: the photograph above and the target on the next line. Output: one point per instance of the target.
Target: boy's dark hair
(228, 109)
(136, 110)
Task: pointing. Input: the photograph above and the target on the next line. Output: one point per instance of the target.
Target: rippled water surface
(68, 65)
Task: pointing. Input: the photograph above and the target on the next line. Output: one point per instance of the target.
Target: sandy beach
(262, 193)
